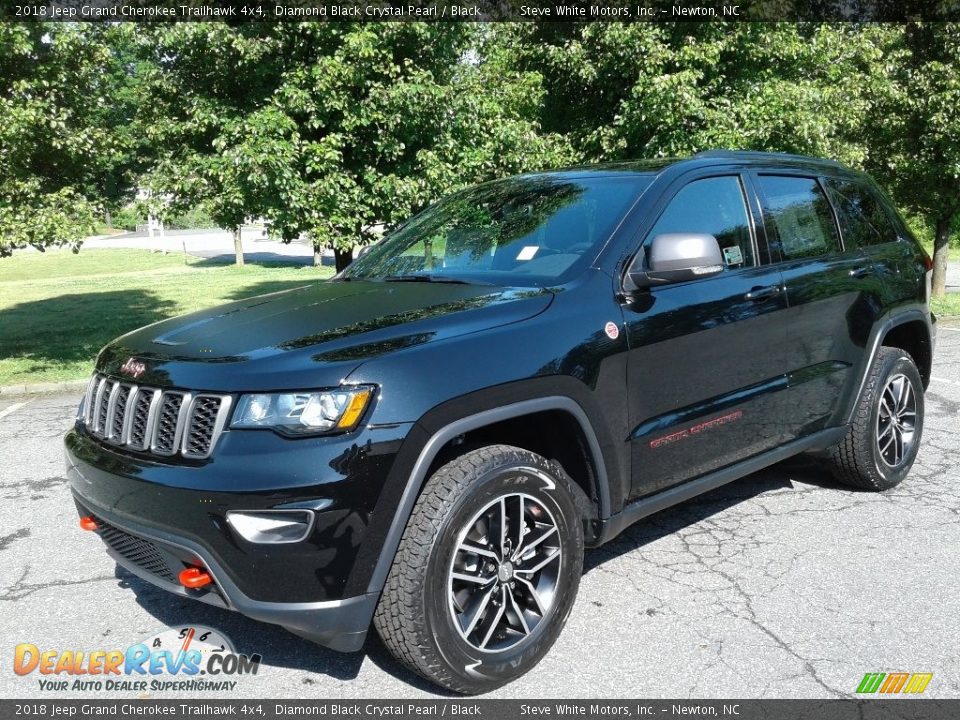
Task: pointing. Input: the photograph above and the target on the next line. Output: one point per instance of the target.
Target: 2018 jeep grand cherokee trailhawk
(428, 440)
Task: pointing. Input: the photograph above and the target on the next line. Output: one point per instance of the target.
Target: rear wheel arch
(911, 327)
(913, 337)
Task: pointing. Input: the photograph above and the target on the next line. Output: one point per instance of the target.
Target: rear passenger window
(714, 206)
(798, 217)
(863, 220)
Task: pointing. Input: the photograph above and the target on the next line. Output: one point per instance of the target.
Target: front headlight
(303, 413)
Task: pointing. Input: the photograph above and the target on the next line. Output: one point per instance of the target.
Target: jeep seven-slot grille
(139, 551)
(151, 420)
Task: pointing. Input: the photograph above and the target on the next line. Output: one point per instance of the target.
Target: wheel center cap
(505, 572)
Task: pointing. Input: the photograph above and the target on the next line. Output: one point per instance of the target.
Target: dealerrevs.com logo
(189, 659)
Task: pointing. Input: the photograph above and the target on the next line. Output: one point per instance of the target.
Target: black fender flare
(880, 330)
(440, 437)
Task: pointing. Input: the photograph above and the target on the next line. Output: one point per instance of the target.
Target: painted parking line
(12, 409)
(948, 329)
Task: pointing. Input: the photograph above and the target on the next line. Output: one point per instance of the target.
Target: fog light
(271, 526)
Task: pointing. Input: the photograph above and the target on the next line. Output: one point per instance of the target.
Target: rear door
(831, 294)
(706, 356)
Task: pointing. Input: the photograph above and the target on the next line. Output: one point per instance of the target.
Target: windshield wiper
(427, 278)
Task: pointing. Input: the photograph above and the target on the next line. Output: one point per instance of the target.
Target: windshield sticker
(528, 252)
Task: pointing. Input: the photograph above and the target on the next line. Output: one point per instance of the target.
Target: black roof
(705, 158)
(764, 157)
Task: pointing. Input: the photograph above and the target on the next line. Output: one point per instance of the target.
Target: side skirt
(616, 524)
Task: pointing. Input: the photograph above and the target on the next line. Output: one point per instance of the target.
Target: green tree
(915, 127)
(311, 126)
(334, 130)
(649, 90)
(60, 155)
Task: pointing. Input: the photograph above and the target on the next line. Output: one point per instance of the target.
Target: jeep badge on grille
(133, 367)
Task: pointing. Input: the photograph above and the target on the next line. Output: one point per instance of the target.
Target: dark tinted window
(798, 217)
(714, 206)
(862, 219)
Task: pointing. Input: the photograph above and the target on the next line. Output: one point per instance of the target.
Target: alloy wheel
(504, 573)
(896, 420)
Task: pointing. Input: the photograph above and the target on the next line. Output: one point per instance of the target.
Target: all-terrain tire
(858, 460)
(417, 616)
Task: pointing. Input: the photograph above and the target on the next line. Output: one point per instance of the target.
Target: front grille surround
(161, 422)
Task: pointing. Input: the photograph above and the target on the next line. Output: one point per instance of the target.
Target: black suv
(429, 440)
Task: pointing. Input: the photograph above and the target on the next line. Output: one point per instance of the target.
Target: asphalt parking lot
(779, 585)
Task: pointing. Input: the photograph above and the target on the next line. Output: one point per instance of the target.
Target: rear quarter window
(863, 219)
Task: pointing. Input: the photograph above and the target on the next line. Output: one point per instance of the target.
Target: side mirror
(677, 257)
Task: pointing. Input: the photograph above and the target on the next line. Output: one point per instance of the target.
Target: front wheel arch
(436, 443)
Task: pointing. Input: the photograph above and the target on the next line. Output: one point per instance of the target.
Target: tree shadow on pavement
(801, 469)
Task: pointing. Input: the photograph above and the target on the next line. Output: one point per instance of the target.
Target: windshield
(526, 232)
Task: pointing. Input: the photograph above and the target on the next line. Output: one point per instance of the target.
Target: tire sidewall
(895, 365)
(487, 670)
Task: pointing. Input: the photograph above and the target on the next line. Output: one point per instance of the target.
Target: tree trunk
(941, 251)
(238, 244)
(317, 256)
(342, 258)
(108, 219)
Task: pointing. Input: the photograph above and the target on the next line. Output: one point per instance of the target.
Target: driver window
(714, 206)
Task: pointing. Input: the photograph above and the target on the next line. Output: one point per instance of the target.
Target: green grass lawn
(946, 306)
(58, 309)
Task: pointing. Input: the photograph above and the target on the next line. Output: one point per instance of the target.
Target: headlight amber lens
(303, 413)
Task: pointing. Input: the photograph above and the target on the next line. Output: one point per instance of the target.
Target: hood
(326, 323)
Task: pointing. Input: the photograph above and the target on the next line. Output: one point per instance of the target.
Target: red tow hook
(88, 523)
(194, 577)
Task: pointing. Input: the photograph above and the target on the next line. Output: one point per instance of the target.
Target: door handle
(861, 272)
(764, 293)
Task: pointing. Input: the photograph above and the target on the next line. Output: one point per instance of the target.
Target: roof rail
(759, 155)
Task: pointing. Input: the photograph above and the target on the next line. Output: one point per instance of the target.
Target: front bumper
(158, 518)
(157, 557)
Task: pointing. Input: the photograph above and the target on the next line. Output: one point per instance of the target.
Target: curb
(44, 388)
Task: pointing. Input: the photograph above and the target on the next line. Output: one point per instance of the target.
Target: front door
(706, 359)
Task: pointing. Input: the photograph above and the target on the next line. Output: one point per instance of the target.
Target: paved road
(780, 585)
